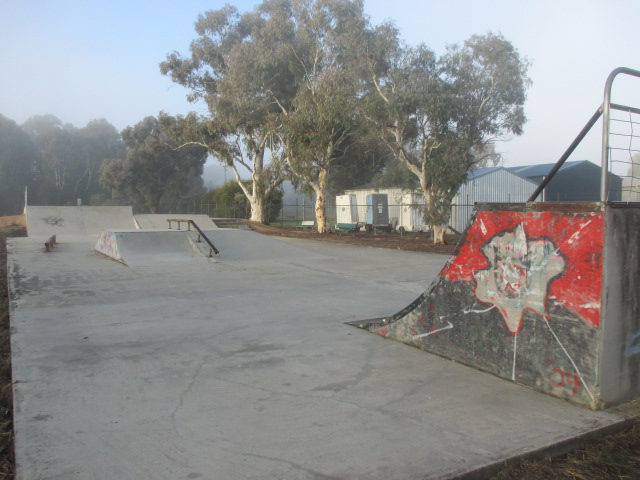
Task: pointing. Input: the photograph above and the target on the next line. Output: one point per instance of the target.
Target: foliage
(396, 175)
(235, 67)
(230, 202)
(155, 170)
(441, 116)
(321, 123)
(19, 166)
(71, 157)
(278, 85)
(305, 81)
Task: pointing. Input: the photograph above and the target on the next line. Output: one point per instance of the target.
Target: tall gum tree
(276, 73)
(236, 67)
(321, 120)
(436, 114)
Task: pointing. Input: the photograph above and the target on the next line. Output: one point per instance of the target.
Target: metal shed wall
(496, 186)
(581, 183)
(490, 185)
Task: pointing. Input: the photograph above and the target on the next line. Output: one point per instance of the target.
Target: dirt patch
(14, 221)
(7, 462)
(414, 241)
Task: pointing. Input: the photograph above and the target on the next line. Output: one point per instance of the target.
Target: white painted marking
(483, 228)
(515, 349)
(570, 359)
(576, 235)
(470, 310)
(449, 326)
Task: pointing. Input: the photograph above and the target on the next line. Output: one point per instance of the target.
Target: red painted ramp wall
(520, 298)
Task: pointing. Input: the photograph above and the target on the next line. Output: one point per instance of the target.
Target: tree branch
(379, 90)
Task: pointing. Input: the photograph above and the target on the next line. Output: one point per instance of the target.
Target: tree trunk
(437, 218)
(321, 214)
(438, 234)
(259, 210)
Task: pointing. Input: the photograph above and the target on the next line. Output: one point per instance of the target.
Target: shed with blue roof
(577, 181)
(488, 185)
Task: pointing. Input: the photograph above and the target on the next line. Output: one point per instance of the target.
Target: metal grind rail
(201, 234)
(605, 111)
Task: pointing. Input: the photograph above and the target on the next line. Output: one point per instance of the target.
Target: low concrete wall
(521, 298)
(620, 358)
(68, 222)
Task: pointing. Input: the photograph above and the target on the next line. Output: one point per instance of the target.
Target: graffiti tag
(518, 276)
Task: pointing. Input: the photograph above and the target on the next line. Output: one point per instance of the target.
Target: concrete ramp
(238, 246)
(159, 221)
(65, 222)
(534, 294)
(160, 247)
(138, 248)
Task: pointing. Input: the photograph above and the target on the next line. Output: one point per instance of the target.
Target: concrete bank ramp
(65, 222)
(160, 221)
(161, 247)
(544, 295)
(238, 246)
(138, 248)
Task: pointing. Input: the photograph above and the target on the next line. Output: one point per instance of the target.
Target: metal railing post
(583, 133)
(201, 234)
(606, 117)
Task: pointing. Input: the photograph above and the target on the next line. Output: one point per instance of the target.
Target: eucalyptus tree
(321, 123)
(58, 149)
(19, 166)
(153, 167)
(237, 67)
(278, 81)
(71, 157)
(437, 115)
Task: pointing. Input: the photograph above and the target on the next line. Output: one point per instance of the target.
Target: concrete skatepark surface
(242, 367)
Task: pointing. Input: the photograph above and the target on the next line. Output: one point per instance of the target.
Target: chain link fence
(293, 214)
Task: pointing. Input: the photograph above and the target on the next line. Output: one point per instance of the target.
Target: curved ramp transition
(544, 295)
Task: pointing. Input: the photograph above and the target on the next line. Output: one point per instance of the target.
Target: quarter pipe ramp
(534, 294)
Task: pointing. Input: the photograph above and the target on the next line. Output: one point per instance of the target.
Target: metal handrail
(201, 234)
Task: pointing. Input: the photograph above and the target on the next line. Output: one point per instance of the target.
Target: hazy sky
(82, 60)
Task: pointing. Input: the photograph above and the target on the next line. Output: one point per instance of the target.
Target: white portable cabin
(412, 213)
(347, 209)
(405, 209)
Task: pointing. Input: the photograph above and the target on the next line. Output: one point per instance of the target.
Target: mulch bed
(412, 241)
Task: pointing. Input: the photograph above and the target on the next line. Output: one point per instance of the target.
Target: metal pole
(606, 111)
(567, 153)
